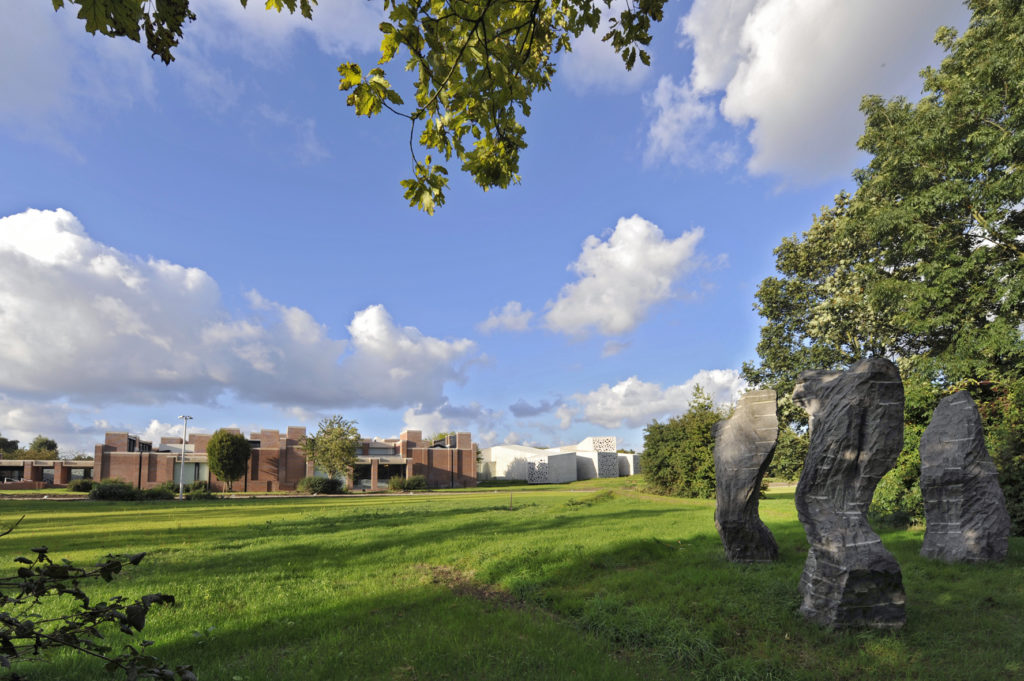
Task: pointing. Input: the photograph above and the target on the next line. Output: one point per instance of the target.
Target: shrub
(200, 489)
(898, 499)
(320, 486)
(677, 456)
(113, 490)
(156, 494)
(170, 486)
(119, 490)
(80, 485)
(790, 452)
(413, 482)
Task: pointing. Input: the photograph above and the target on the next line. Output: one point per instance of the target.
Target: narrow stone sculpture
(744, 444)
(963, 504)
(856, 421)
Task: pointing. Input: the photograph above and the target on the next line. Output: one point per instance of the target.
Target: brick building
(278, 463)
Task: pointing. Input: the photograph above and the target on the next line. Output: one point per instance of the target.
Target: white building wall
(629, 464)
(509, 462)
(591, 465)
(557, 468)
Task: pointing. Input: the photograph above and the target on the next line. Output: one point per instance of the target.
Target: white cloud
(594, 65)
(621, 278)
(50, 69)
(512, 317)
(307, 147)
(479, 420)
(612, 348)
(23, 420)
(634, 403)
(54, 75)
(523, 409)
(679, 131)
(565, 415)
(794, 71)
(339, 27)
(85, 322)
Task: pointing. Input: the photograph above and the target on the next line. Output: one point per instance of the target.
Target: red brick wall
(199, 441)
(269, 439)
(123, 465)
(117, 441)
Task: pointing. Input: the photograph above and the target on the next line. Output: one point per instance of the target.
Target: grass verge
(579, 582)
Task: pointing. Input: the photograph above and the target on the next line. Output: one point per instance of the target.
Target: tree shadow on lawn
(323, 542)
(418, 630)
(668, 603)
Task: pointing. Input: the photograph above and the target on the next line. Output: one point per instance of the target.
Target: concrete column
(374, 463)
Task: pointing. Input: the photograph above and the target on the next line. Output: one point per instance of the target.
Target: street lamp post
(181, 469)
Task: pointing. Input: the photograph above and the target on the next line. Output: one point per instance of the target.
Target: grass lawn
(567, 584)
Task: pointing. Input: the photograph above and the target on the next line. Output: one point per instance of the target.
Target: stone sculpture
(744, 444)
(963, 503)
(856, 425)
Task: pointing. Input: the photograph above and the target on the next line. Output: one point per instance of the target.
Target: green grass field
(567, 584)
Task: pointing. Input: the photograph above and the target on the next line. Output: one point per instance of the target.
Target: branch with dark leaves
(25, 634)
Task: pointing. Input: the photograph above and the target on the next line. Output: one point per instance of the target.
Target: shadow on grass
(659, 603)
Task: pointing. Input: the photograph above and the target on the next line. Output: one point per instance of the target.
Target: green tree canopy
(42, 448)
(8, 446)
(228, 455)
(923, 263)
(334, 447)
(477, 65)
(678, 456)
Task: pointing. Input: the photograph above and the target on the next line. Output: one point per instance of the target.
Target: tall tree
(678, 455)
(924, 262)
(7, 446)
(42, 448)
(334, 447)
(228, 455)
(477, 65)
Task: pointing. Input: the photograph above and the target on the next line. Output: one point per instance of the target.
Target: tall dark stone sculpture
(849, 579)
(744, 444)
(963, 504)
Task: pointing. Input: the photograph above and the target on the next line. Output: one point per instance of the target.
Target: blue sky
(222, 237)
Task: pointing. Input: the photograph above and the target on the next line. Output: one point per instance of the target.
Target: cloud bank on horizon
(161, 329)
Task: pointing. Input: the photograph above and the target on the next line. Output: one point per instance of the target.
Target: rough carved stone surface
(744, 444)
(856, 422)
(963, 503)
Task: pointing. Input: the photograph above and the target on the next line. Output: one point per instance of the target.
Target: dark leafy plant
(154, 494)
(313, 485)
(113, 490)
(81, 485)
(25, 633)
(413, 482)
(197, 490)
(677, 456)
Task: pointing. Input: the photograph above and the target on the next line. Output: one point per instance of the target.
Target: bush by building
(413, 482)
(313, 485)
(80, 485)
(113, 490)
